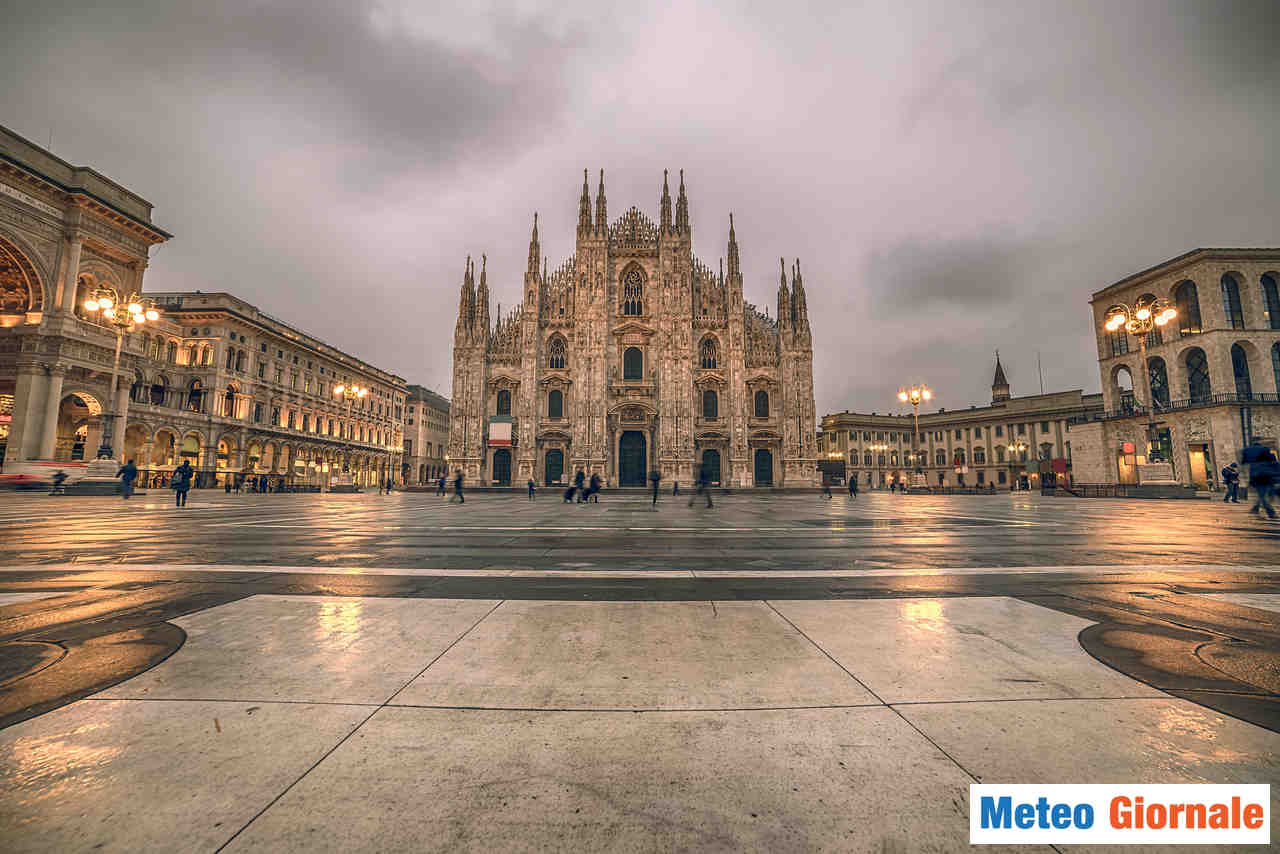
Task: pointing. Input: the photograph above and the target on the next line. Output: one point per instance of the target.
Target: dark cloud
(954, 177)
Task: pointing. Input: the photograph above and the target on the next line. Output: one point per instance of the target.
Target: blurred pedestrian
(654, 477)
(853, 486)
(59, 478)
(579, 480)
(530, 489)
(593, 488)
(180, 480)
(826, 488)
(457, 488)
(1231, 478)
(127, 474)
(1263, 473)
(704, 486)
(440, 484)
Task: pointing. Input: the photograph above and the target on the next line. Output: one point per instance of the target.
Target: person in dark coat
(1263, 472)
(654, 477)
(457, 488)
(704, 486)
(593, 488)
(579, 480)
(1231, 477)
(180, 481)
(127, 474)
(853, 486)
(530, 489)
(826, 488)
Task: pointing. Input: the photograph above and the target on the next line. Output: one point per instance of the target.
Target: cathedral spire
(801, 306)
(682, 209)
(665, 223)
(466, 304)
(535, 251)
(734, 269)
(481, 324)
(602, 209)
(784, 298)
(584, 207)
(999, 385)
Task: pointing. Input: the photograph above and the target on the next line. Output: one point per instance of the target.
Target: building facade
(1210, 377)
(633, 356)
(426, 433)
(214, 381)
(1015, 441)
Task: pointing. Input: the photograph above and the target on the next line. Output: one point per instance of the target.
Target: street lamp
(877, 448)
(915, 395)
(1140, 319)
(121, 317)
(351, 393)
(1015, 449)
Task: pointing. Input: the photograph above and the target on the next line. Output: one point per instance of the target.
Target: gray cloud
(954, 177)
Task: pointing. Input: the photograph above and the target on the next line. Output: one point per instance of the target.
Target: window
(1044, 426)
(293, 424)
(555, 404)
(977, 432)
(172, 356)
(960, 457)
(293, 379)
(264, 346)
(893, 458)
(1046, 451)
(306, 422)
(999, 430)
(306, 385)
(1240, 368)
(762, 405)
(632, 364)
(959, 435)
(1198, 375)
(999, 453)
(262, 370)
(866, 435)
(504, 402)
(979, 456)
(229, 403)
(982, 475)
(1271, 300)
(1159, 382)
(633, 293)
(257, 413)
(1001, 477)
(556, 354)
(880, 460)
(708, 351)
(275, 416)
(1188, 306)
(940, 457)
(1022, 429)
(1119, 339)
(937, 436)
(240, 361)
(231, 359)
(279, 374)
(710, 404)
(1231, 301)
(866, 458)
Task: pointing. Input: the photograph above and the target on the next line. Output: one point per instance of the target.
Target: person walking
(594, 487)
(578, 480)
(530, 489)
(59, 478)
(127, 474)
(654, 477)
(440, 485)
(675, 487)
(1231, 478)
(390, 484)
(457, 488)
(1263, 472)
(226, 484)
(853, 487)
(180, 481)
(826, 488)
(704, 486)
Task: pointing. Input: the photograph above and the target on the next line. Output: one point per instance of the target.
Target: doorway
(711, 465)
(632, 459)
(764, 467)
(502, 467)
(554, 467)
(1198, 455)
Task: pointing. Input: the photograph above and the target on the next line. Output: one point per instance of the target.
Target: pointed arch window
(556, 351)
(709, 353)
(504, 402)
(1198, 385)
(632, 364)
(1231, 301)
(710, 404)
(1188, 305)
(633, 293)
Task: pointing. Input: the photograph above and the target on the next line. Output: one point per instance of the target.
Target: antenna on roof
(1040, 370)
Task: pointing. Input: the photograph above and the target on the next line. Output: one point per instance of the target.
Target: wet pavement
(290, 673)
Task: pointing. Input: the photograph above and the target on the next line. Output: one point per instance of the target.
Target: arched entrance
(711, 464)
(78, 415)
(554, 467)
(764, 467)
(632, 459)
(502, 467)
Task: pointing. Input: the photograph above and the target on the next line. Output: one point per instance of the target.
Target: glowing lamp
(928, 395)
(138, 318)
(91, 304)
(109, 313)
(902, 395)
(105, 302)
(153, 315)
(135, 308)
(339, 389)
(1144, 313)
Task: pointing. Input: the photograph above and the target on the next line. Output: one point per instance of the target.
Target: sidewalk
(314, 723)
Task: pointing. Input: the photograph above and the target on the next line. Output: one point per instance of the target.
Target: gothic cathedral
(633, 357)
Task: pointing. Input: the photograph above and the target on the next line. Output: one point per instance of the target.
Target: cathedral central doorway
(502, 467)
(554, 466)
(764, 467)
(711, 465)
(632, 459)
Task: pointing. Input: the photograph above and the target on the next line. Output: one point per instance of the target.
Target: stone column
(121, 422)
(71, 275)
(52, 403)
(28, 412)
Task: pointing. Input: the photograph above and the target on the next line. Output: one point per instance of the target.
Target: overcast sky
(955, 177)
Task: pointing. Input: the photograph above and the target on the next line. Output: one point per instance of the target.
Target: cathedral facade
(632, 356)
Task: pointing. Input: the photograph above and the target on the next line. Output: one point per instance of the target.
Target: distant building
(426, 434)
(1211, 375)
(215, 381)
(1011, 439)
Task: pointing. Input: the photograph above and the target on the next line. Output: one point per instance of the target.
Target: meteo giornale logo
(1161, 814)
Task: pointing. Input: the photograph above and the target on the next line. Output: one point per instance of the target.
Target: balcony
(1136, 410)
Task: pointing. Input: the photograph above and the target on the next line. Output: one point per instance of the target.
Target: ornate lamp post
(1140, 319)
(915, 395)
(351, 393)
(121, 318)
(1015, 448)
(878, 448)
